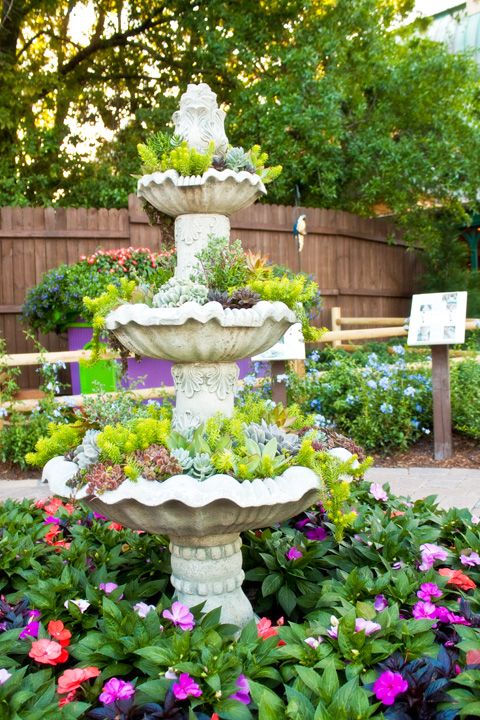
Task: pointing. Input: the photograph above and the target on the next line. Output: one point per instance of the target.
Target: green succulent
(177, 292)
(202, 466)
(262, 433)
(237, 159)
(88, 452)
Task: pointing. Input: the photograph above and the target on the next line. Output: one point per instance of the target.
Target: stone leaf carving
(200, 120)
(191, 228)
(219, 379)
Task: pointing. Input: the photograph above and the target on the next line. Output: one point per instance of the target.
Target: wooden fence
(356, 261)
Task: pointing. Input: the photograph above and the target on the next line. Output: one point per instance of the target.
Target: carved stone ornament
(200, 120)
(220, 378)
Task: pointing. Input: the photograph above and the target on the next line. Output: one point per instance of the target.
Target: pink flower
(377, 491)
(367, 626)
(108, 588)
(4, 675)
(180, 615)
(424, 610)
(314, 642)
(380, 603)
(185, 686)
(428, 591)
(431, 553)
(388, 685)
(142, 609)
(243, 692)
(116, 689)
(470, 560)
(293, 554)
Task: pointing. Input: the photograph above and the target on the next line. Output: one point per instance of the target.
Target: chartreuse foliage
(351, 612)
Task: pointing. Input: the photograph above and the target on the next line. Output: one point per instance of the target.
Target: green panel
(103, 372)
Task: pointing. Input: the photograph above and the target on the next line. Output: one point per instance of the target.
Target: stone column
(204, 389)
(192, 233)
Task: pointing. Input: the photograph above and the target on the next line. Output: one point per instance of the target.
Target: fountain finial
(200, 120)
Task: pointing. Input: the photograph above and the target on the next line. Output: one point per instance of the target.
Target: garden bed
(466, 454)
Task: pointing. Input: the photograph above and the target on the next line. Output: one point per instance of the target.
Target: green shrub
(465, 392)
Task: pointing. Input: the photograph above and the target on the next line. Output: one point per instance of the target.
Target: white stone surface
(204, 389)
(192, 234)
(200, 120)
(200, 333)
(216, 191)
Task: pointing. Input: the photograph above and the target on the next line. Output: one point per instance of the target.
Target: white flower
(314, 642)
(81, 604)
(142, 609)
(4, 675)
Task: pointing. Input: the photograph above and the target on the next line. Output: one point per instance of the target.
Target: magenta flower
(377, 491)
(108, 587)
(142, 609)
(431, 553)
(428, 591)
(4, 676)
(367, 626)
(293, 554)
(243, 692)
(180, 615)
(388, 685)
(470, 560)
(116, 689)
(316, 533)
(186, 686)
(424, 610)
(30, 630)
(380, 603)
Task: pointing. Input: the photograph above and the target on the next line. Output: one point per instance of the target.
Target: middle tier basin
(200, 333)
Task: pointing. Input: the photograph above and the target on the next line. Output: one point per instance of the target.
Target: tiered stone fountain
(202, 519)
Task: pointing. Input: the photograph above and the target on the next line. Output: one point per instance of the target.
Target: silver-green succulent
(263, 432)
(183, 458)
(186, 424)
(237, 159)
(202, 466)
(177, 292)
(88, 452)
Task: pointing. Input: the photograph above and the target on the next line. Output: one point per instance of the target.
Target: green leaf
(271, 584)
(287, 599)
(270, 706)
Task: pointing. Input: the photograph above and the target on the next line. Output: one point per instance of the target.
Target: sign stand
(442, 409)
(438, 320)
(290, 347)
(279, 389)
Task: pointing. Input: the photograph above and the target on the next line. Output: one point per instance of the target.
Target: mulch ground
(466, 454)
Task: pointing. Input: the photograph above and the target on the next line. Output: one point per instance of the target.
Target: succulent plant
(103, 477)
(237, 159)
(262, 433)
(183, 458)
(242, 298)
(202, 466)
(88, 452)
(186, 424)
(156, 463)
(175, 293)
(219, 296)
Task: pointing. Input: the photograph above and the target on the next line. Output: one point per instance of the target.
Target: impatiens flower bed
(384, 623)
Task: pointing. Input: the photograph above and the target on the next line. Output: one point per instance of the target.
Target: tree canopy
(363, 111)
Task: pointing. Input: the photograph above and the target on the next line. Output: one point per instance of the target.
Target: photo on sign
(290, 347)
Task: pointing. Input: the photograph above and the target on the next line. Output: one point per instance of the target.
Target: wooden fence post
(336, 321)
(279, 389)
(442, 407)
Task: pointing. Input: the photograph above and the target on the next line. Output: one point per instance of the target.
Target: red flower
(115, 526)
(51, 534)
(457, 578)
(473, 657)
(59, 632)
(52, 505)
(67, 699)
(71, 680)
(48, 652)
(265, 629)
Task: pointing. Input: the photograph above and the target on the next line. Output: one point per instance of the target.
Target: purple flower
(4, 675)
(470, 560)
(367, 626)
(243, 692)
(431, 553)
(378, 492)
(99, 516)
(186, 686)
(180, 615)
(33, 615)
(314, 642)
(108, 587)
(317, 533)
(388, 685)
(30, 630)
(142, 609)
(428, 591)
(398, 565)
(51, 519)
(380, 603)
(424, 610)
(293, 554)
(116, 689)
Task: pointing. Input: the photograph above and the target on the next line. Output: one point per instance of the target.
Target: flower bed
(382, 624)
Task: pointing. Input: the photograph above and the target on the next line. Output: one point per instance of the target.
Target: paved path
(454, 487)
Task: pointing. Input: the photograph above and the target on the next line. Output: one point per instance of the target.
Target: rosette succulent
(175, 293)
(261, 433)
(88, 452)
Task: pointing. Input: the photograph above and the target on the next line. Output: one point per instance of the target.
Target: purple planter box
(157, 372)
